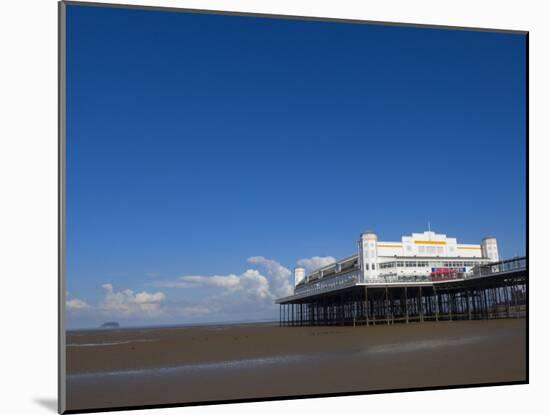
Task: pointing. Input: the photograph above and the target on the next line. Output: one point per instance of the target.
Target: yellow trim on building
(470, 247)
(389, 246)
(431, 242)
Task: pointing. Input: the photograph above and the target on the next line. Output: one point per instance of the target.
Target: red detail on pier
(444, 274)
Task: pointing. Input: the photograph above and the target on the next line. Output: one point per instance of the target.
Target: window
(373, 267)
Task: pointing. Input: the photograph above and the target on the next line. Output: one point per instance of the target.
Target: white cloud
(313, 263)
(129, 304)
(277, 275)
(144, 297)
(220, 281)
(248, 295)
(250, 284)
(77, 304)
(250, 292)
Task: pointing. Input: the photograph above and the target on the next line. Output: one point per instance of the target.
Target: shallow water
(114, 343)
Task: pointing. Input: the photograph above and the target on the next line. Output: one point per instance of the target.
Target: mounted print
(260, 207)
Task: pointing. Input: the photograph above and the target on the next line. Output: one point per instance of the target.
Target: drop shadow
(48, 403)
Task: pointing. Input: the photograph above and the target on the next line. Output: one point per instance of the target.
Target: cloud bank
(128, 303)
(125, 303)
(77, 304)
(247, 295)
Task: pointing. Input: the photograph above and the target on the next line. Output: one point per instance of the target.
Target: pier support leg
(392, 308)
(450, 305)
(366, 306)
(421, 307)
(436, 305)
(468, 304)
(486, 304)
(507, 294)
(406, 307)
(341, 310)
(386, 307)
(515, 294)
(374, 308)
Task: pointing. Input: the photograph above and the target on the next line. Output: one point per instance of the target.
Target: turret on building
(489, 248)
(368, 258)
(299, 276)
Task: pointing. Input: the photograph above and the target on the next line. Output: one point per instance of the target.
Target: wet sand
(110, 368)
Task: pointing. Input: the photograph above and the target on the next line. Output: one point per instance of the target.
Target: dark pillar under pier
(421, 308)
(438, 305)
(366, 306)
(386, 306)
(406, 307)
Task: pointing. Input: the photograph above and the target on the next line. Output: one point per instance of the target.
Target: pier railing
(354, 277)
(509, 265)
(398, 279)
(330, 283)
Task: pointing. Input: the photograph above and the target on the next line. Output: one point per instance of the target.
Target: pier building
(423, 276)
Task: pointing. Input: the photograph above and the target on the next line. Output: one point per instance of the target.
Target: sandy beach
(122, 367)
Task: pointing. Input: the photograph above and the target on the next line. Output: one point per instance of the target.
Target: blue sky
(228, 148)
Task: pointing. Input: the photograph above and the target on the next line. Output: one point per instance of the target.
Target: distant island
(110, 325)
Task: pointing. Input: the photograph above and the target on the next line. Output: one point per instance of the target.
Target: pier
(490, 291)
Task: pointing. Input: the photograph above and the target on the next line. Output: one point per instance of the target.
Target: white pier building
(425, 276)
(416, 257)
